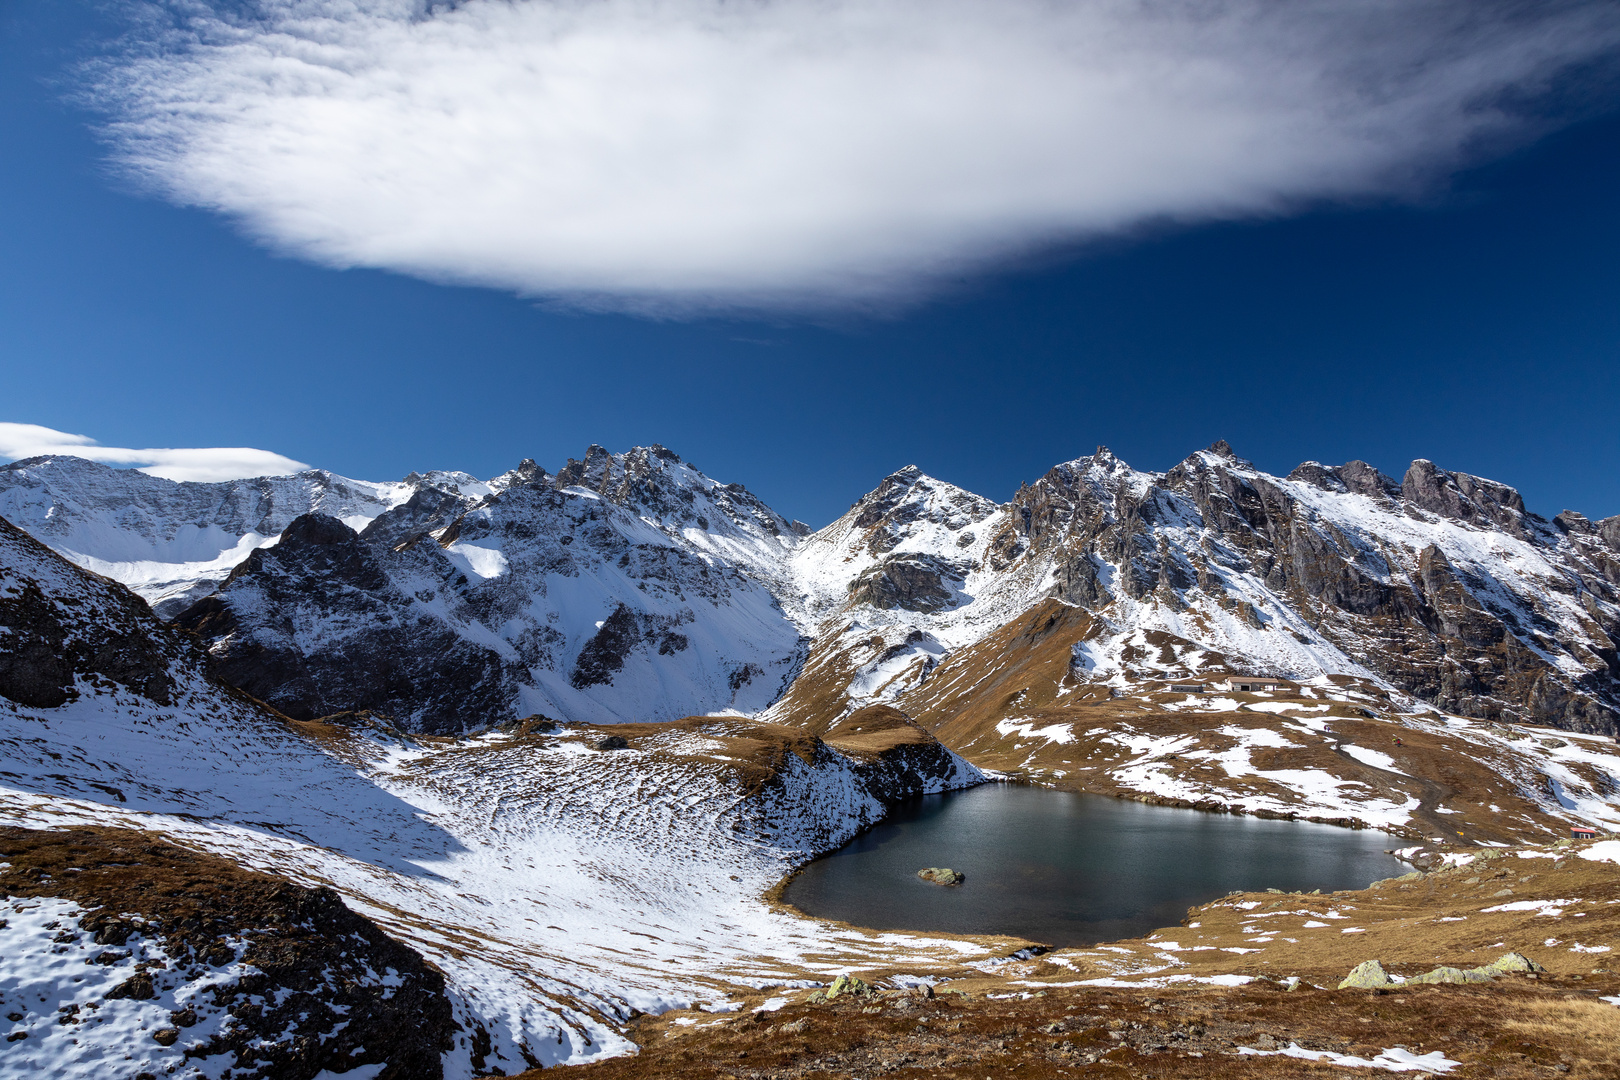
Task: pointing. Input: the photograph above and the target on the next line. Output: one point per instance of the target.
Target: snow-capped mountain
(174, 542)
(1442, 587)
(633, 587)
(627, 587)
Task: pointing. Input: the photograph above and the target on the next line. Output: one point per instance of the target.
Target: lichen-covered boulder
(1451, 976)
(848, 984)
(1511, 962)
(1368, 975)
(942, 875)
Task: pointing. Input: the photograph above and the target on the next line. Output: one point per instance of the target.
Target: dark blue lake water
(1068, 869)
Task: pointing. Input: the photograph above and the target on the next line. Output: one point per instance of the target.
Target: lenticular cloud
(700, 154)
(205, 465)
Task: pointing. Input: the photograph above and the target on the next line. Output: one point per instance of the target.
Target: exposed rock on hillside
(316, 625)
(282, 981)
(1443, 587)
(59, 625)
(628, 587)
(631, 586)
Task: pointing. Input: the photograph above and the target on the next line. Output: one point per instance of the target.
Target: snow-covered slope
(558, 887)
(172, 542)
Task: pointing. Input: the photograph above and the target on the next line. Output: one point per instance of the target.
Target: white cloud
(679, 154)
(205, 465)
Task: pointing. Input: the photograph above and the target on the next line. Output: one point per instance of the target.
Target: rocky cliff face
(59, 626)
(315, 625)
(632, 587)
(1443, 586)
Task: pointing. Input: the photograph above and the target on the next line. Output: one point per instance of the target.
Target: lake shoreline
(1079, 860)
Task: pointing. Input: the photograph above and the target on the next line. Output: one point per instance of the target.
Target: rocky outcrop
(895, 758)
(1404, 581)
(916, 582)
(1462, 497)
(316, 625)
(621, 633)
(1370, 974)
(304, 986)
(59, 625)
(824, 790)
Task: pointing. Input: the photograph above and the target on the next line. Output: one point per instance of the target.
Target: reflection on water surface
(1069, 869)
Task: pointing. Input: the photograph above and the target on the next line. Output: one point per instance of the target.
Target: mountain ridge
(698, 598)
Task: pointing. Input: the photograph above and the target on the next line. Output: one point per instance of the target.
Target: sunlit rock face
(632, 587)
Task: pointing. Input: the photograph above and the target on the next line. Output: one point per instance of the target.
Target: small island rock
(942, 875)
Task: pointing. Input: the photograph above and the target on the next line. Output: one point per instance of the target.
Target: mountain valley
(556, 738)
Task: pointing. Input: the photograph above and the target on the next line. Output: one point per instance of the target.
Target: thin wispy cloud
(204, 464)
(680, 155)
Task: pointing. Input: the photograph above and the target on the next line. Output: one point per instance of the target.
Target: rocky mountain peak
(882, 500)
(527, 472)
(1356, 477)
(1462, 497)
(611, 475)
(591, 474)
(1106, 460)
(909, 495)
(316, 530)
(656, 483)
(1314, 472)
(1363, 479)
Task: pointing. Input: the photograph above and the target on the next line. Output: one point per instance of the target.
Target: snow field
(560, 889)
(51, 975)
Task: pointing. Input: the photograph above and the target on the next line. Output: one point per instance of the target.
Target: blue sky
(1472, 320)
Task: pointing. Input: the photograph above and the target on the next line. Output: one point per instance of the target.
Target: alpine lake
(1072, 870)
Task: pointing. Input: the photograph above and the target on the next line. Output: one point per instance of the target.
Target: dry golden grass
(1585, 1033)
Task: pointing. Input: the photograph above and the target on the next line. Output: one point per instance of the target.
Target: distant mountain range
(631, 587)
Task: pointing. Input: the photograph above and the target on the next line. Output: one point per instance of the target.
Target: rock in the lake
(942, 875)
